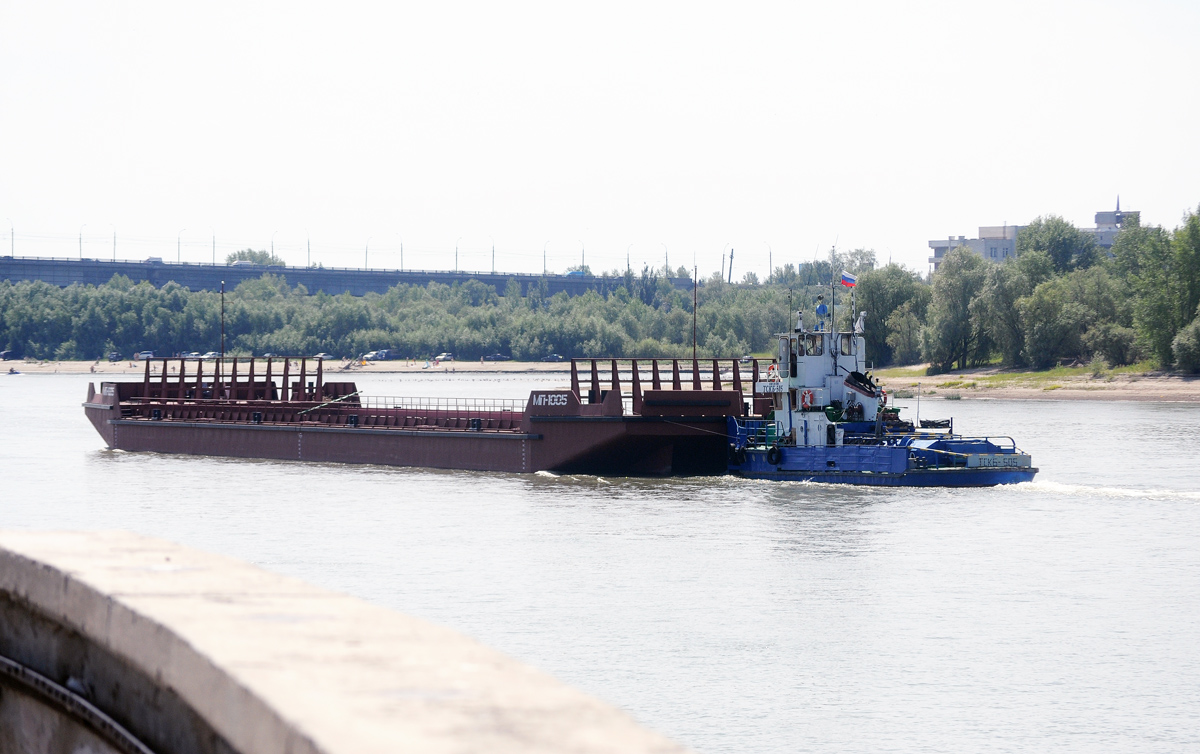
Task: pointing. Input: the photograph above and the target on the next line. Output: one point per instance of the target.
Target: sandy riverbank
(1071, 385)
(985, 384)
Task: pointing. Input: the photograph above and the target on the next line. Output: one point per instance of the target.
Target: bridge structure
(331, 280)
(116, 643)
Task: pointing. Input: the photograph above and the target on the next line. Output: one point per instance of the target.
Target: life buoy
(773, 373)
(774, 455)
(807, 398)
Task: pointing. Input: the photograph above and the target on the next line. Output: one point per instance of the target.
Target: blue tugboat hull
(876, 465)
(915, 478)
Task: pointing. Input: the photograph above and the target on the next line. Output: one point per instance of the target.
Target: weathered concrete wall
(198, 653)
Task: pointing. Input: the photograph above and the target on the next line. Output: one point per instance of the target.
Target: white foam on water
(1088, 490)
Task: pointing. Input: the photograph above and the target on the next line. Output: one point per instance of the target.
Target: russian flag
(848, 280)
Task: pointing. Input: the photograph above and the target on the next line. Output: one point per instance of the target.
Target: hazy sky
(611, 128)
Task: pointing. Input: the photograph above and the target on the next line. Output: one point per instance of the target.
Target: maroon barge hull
(280, 414)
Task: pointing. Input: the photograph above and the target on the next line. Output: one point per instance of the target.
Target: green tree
(880, 293)
(255, 257)
(1067, 246)
(904, 333)
(1186, 346)
(952, 334)
(1003, 287)
(1144, 259)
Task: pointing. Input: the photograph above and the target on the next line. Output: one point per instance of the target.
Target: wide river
(734, 616)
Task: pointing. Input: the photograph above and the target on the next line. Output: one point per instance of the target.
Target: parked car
(7, 355)
(325, 356)
(143, 355)
(191, 355)
(552, 357)
(269, 355)
(384, 354)
(112, 356)
(211, 355)
(497, 357)
(444, 356)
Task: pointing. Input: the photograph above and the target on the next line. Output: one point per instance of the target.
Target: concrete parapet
(192, 652)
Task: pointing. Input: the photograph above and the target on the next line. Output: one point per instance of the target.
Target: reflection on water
(733, 615)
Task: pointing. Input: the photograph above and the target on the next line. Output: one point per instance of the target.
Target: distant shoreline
(985, 384)
(398, 366)
(1076, 384)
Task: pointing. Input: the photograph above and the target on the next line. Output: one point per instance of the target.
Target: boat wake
(1088, 490)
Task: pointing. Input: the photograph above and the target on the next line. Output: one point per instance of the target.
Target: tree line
(1061, 300)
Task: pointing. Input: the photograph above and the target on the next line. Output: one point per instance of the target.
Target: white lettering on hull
(998, 461)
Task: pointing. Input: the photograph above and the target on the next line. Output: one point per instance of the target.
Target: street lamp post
(456, 254)
(666, 259)
(627, 267)
(178, 243)
(81, 227)
(12, 238)
(493, 254)
(770, 263)
(366, 253)
(273, 246)
(582, 256)
(544, 258)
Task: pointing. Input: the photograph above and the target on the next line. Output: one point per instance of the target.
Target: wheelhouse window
(814, 345)
(846, 344)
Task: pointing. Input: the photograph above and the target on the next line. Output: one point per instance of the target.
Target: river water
(731, 615)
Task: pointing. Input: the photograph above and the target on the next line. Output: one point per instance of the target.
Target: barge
(286, 409)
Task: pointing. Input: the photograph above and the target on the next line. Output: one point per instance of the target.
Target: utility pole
(81, 227)
(731, 266)
(222, 321)
(666, 259)
(695, 285)
(178, 242)
(544, 268)
(114, 244)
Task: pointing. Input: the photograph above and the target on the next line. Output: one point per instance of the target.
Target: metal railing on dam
(114, 642)
(331, 280)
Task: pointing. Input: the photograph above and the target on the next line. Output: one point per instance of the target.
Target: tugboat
(828, 421)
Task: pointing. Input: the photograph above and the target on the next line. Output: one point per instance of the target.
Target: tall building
(998, 243)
